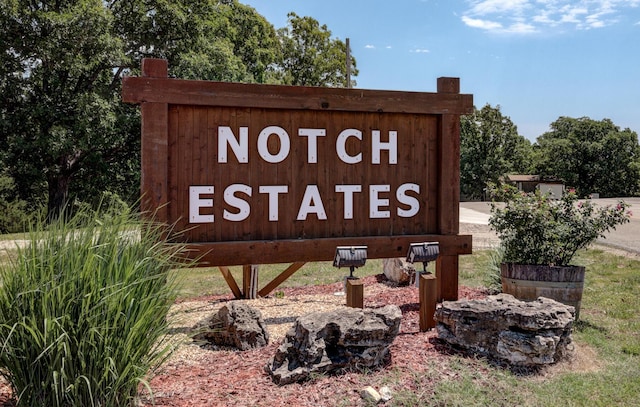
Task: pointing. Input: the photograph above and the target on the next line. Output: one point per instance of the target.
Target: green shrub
(493, 279)
(534, 228)
(14, 213)
(83, 311)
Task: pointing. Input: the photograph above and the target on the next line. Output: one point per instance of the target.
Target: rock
(398, 270)
(504, 328)
(385, 394)
(328, 342)
(370, 394)
(236, 324)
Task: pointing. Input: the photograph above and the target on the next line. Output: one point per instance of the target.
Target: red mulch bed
(234, 378)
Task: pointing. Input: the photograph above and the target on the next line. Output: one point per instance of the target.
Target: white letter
(243, 206)
(411, 201)
(311, 195)
(312, 143)
(377, 145)
(195, 203)
(240, 148)
(273, 191)
(348, 198)
(284, 144)
(341, 143)
(376, 202)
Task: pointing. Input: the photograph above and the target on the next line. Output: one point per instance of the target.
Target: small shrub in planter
(535, 229)
(539, 237)
(83, 311)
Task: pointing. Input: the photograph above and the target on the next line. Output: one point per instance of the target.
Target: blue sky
(537, 59)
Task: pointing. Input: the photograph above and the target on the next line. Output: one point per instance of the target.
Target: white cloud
(572, 14)
(484, 24)
(521, 28)
(530, 16)
(420, 51)
(497, 6)
(369, 46)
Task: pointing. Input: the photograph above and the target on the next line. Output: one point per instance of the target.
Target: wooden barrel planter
(528, 282)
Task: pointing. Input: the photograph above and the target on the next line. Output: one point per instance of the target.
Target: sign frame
(157, 94)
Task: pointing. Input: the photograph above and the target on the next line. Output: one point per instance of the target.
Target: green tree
(60, 96)
(228, 42)
(63, 128)
(490, 148)
(591, 156)
(310, 57)
(13, 212)
(64, 132)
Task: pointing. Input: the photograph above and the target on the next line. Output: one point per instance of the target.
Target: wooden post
(428, 296)
(154, 142)
(355, 293)
(250, 281)
(447, 273)
(449, 199)
(348, 63)
(266, 290)
(231, 282)
(439, 279)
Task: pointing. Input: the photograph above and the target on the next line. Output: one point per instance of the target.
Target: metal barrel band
(550, 284)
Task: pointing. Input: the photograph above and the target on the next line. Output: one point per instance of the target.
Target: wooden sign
(259, 174)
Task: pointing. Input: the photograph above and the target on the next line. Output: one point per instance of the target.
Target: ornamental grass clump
(536, 229)
(83, 311)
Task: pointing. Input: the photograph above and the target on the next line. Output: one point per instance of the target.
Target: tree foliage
(63, 129)
(591, 156)
(222, 41)
(310, 57)
(13, 212)
(61, 107)
(490, 148)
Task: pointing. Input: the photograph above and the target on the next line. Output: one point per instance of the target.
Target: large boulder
(346, 338)
(504, 328)
(236, 324)
(398, 270)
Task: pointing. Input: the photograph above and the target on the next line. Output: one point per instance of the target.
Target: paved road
(474, 217)
(626, 237)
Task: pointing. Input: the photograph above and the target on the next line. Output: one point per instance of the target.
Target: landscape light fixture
(423, 252)
(350, 256)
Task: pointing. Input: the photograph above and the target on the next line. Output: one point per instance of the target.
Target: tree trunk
(58, 195)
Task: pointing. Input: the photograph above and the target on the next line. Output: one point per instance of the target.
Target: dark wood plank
(449, 205)
(154, 176)
(289, 251)
(280, 278)
(167, 90)
(231, 282)
(173, 162)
